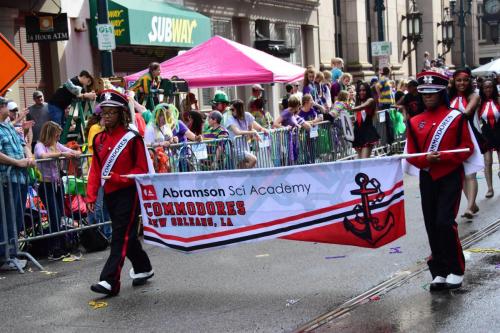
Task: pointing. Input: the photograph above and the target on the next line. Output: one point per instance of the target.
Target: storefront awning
(153, 23)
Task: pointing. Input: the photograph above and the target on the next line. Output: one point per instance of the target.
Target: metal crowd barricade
(54, 206)
(11, 215)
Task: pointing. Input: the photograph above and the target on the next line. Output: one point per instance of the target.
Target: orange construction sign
(13, 65)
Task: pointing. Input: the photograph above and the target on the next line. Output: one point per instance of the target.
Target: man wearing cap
(441, 174)
(119, 151)
(39, 114)
(14, 156)
(412, 103)
(220, 103)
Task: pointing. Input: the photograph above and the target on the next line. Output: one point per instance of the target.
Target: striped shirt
(12, 146)
(386, 95)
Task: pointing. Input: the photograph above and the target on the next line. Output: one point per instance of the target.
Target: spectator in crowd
(158, 131)
(221, 102)
(341, 104)
(262, 117)
(411, 104)
(307, 111)
(76, 87)
(427, 62)
(14, 155)
(342, 84)
(95, 125)
(244, 124)
(18, 120)
(194, 121)
(216, 130)
(327, 91)
(39, 114)
(309, 84)
(351, 91)
(401, 91)
(365, 134)
(257, 91)
(190, 103)
(289, 92)
(489, 111)
(147, 86)
(51, 190)
(337, 66)
(384, 90)
(463, 98)
(290, 116)
(296, 90)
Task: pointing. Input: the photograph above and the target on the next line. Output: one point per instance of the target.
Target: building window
(482, 27)
(294, 40)
(338, 28)
(222, 27)
(262, 30)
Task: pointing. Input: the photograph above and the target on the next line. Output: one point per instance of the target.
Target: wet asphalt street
(271, 286)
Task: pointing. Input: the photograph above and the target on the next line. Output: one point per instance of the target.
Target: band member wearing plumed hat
(437, 129)
(119, 151)
(464, 99)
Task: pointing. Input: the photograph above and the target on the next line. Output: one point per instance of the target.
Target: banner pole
(405, 156)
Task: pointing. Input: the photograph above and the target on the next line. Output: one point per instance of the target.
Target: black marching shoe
(439, 283)
(140, 279)
(103, 287)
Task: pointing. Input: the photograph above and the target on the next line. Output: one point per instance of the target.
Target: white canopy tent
(488, 69)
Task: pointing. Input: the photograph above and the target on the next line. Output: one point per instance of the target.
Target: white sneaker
(439, 283)
(454, 281)
(11, 265)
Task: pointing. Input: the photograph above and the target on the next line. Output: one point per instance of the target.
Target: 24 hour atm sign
(171, 30)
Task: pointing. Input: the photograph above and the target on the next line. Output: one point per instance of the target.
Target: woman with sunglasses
(489, 111)
(463, 98)
(241, 123)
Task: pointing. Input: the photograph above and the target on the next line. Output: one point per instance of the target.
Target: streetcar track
(390, 284)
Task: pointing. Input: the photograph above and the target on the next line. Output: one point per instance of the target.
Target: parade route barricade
(53, 202)
(11, 214)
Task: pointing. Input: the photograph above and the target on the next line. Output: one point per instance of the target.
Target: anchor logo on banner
(366, 226)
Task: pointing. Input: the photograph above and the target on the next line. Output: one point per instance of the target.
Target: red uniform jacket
(423, 127)
(132, 160)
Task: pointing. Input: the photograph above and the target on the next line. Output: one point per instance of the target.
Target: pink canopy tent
(222, 62)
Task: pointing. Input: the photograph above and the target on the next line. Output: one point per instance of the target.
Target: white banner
(357, 202)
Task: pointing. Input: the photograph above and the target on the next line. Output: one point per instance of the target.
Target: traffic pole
(106, 56)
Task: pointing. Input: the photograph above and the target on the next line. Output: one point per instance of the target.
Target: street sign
(383, 61)
(381, 48)
(13, 65)
(105, 37)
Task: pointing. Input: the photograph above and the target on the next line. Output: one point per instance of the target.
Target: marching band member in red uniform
(489, 111)
(119, 151)
(463, 98)
(441, 176)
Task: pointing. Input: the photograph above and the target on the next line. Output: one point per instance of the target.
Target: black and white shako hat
(112, 98)
(431, 82)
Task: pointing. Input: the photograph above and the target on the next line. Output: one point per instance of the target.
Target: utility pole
(106, 56)
(462, 15)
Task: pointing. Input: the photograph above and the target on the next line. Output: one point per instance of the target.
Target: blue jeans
(100, 214)
(14, 215)
(56, 114)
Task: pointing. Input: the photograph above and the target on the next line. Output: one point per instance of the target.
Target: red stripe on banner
(338, 234)
(267, 224)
